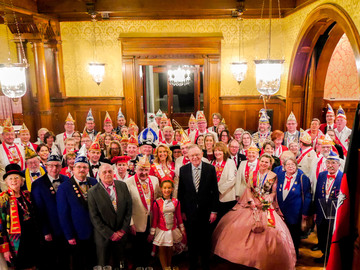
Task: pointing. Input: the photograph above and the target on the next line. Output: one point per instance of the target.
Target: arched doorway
(320, 34)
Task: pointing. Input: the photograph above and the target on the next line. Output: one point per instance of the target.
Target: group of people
(80, 199)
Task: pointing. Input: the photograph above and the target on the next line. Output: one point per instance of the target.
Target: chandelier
(13, 75)
(179, 76)
(96, 69)
(268, 71)
(239, 69)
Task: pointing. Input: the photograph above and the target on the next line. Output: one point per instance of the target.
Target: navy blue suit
(55, 252)
(73, 210)
(44, 197)
(278, 170)
(320, 193)
(75, 222)
(321, 222)
(293, 207)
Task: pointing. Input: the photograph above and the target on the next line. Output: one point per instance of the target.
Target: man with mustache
(143, 190)
(326, 195)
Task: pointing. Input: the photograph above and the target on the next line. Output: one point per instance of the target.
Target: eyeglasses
(53, 165)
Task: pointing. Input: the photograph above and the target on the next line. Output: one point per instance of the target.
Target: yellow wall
(4, 49)
(78, 47)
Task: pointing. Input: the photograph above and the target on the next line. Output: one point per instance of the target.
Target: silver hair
(103, 166)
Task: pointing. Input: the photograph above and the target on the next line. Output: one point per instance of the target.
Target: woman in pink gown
(253, 234)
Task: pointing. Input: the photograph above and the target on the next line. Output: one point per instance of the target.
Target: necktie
(81, 183)
(235, 159)
(110, 190)
(288, 181)
(95, 166)
(11, 146)
(56, 181)
(197, 178)
(35, 174)
(331, 176)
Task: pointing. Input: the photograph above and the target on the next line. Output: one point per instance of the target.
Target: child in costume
(167, 227)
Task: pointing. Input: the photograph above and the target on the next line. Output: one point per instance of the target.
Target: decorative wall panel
(342, 76)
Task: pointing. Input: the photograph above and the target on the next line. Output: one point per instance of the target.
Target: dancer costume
(166, 222)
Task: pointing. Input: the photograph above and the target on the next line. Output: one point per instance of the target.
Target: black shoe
(320, 260)
(315, 248)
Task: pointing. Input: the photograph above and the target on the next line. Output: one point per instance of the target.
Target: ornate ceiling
(78, 10)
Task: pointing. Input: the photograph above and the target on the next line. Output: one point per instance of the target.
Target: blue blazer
(73, 210)
(293, 206)
(278, 169)
(44, 198)
(320, 193)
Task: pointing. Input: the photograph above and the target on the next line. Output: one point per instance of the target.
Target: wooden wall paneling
(322, 68)
(79, 107)
(211, 103)
(349, 107)
(129, 76)
(243, 112)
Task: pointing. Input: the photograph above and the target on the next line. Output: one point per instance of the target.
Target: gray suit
(106, 220)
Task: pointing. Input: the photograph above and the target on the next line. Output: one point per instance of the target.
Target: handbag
(306, 223)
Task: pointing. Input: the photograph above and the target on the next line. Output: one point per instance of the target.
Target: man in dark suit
(110, 209)
(327, 192)
(43, 192)
(199, 197)
(72, 204)
(235, 155)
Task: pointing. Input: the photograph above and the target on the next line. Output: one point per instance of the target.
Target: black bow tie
(83, 183)
(35, 174)
(95, 166)
(56, 181)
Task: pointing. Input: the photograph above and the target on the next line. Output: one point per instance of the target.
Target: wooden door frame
(171, 49)
(316, 23)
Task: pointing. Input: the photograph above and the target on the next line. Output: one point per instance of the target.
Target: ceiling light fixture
(13, 75)
(96, 69)
(239, 69)
(268, 71)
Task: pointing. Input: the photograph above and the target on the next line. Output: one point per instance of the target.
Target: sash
(337, 141)
(197, 134)
(219, 169)
(299, 159)
(159, 171)
(13, 159)
(257, 181)
(141, 192)
(29, 179)
(320, 167)
(247, 171)
(278, 151)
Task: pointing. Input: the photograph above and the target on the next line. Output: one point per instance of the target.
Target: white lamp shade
(238, 70)
(268, 75)
(97, 71)
(13, 80)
